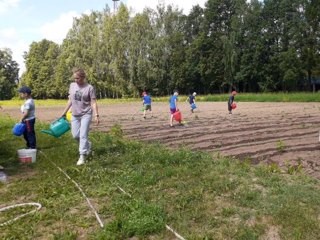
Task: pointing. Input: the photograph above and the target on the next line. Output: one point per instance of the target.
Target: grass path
(199, 195)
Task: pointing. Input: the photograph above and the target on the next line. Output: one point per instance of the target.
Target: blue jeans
(80, 131)
(29, 134)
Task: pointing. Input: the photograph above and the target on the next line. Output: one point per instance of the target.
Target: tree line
(256, 46)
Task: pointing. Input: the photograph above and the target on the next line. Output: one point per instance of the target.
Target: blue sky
(25, 21)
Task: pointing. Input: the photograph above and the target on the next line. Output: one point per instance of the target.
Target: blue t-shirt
(173, 102)
(191, 99)
(147, 100)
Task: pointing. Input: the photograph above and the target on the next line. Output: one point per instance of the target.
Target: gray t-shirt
(30, 106)
(81, 97)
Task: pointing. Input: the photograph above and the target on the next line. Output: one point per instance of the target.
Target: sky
(25, 21)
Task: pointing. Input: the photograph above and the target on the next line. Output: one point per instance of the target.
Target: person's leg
(144, 113)
(229, 108)
(84, 132)
(75, 127)
(150, 110)
(25, 136)
(31, 135)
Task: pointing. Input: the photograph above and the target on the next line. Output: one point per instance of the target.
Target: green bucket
(58, 128)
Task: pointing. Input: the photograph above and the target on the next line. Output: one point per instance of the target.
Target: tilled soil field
(284, 133)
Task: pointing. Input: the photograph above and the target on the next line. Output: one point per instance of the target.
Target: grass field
(241, 97)
(199, 195)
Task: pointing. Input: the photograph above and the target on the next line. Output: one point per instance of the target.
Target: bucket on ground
(177, 116)
(27, 155)
(58, 128)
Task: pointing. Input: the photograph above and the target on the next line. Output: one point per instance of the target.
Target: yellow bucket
(68, 116)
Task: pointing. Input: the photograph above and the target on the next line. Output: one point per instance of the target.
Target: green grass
(265, 97)
(241, 97)
(200, 196)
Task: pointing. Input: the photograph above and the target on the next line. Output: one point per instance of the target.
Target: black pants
(29, 134)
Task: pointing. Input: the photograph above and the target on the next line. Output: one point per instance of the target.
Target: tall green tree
(8, 74)
(41, 61)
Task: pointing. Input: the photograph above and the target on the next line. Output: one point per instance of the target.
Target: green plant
(274, 168)
(294, 168)
(281, 146)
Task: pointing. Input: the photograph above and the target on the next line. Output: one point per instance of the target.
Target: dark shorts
(173, 110)
(147, 107)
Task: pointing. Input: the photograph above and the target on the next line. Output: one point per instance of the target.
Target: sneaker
(89, 148)
(81, 160)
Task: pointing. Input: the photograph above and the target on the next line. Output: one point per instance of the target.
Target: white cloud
(5, 5)
(186, 5)
(57, 30)
(17, 40)
(10, 38)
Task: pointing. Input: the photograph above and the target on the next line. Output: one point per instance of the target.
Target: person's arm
(24, 116)
(94, 106)
(187, 99)
(66, 109)
(176, 104)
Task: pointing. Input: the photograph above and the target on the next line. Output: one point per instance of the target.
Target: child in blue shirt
(146, 102)
(192, 100)
(173, 103)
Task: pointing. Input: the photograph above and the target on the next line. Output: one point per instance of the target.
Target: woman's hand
(97, 119)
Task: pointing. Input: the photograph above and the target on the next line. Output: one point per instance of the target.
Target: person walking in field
(28, 117)
(146, 102)
(173, 103)
(82, 101)
(192, 101)
(230, 101)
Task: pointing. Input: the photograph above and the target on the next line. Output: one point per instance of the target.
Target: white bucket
(27, 155)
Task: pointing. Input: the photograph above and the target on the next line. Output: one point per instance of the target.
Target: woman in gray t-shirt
(82, 100)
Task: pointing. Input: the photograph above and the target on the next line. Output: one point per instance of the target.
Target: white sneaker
(81, 160)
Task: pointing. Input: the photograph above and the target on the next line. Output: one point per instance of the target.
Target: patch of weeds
(281, 146)
(248, 198)
(65, 236)
(245, 165)
(116, 131)
(228, 211)
(294, 168)
(134, 218)
(273, 168)
(224, 184)
(296, 222)
(249, 233)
